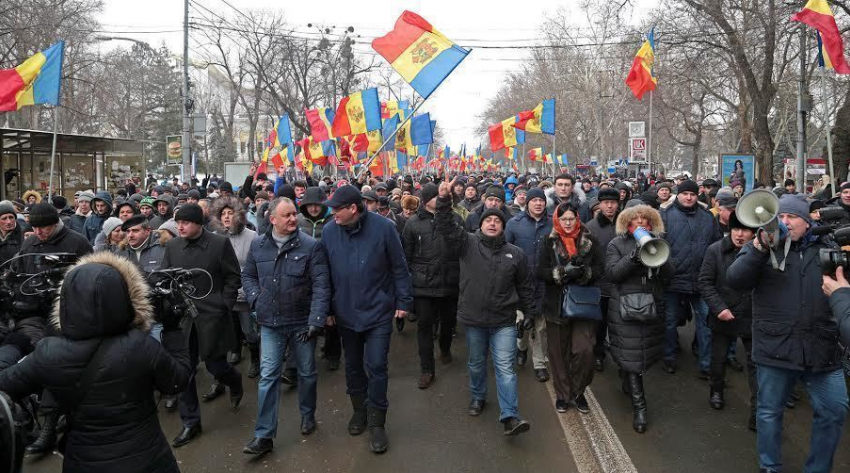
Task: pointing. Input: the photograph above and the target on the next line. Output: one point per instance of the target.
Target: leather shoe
(258, 446)
(186, 435)
(669, 367)
(235, 357)
(236, 398)
(170, 402)
(426, 380)
(516, 426)
(216, 390)
(289, 377)
(715, 400)
(476, 406)
(542, 375)
(308, 425)
(581, 404)
(521, 357)
(734, 364)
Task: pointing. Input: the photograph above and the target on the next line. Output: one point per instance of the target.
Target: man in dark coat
(77, 222)
(371, 287)
(163, 209)
(690, 229)
(494, 285)
(603, 227)
(794, 337)
(494, 198)
(11, 232)
(434, 272)
(101, 210)
(528, 230)
(729, 312)
(211, 335)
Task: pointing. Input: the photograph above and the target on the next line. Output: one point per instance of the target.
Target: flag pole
(390, 138)
(649, 136)
(554, 157)
(53, 153)
(828, 130)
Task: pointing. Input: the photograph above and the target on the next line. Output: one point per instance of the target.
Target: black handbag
(638, 307)
(581, 302)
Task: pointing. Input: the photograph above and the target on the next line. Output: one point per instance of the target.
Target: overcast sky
(468, 22)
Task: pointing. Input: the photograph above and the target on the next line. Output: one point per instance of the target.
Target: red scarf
(567, 238)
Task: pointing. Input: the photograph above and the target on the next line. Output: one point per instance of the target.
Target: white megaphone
(653, 251)
(759, 208)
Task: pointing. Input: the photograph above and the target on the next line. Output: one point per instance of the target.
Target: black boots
(715, 399)
(357, 423)
(638, 402)
(254, 369)
(624, 377)
(378, 435)
(47, 437)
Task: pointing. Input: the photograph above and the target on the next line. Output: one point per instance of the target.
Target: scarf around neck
(567, 238)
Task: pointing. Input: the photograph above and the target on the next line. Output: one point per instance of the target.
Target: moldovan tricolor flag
(640, 78)
(36, 81)
(357, 114)
(504, 135)
(536, 154)
(320, 120)
(419, 53)
(539, 120)
(818, 15)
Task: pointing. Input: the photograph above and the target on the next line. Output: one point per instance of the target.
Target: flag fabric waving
(419, 53)
(358, 113)
(818, 15)
(539, 120)
(392, 107)
(535, 154)
(640, 78)
(284, 132)
(504, 135)
(35, 81)
(320, 120)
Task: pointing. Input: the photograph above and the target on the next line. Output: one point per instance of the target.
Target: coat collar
(203, 241)
(603, 220)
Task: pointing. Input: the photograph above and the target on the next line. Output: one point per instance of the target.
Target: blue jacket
(287, 286)
(368, 272)
(689, 233)
(527, 233)
(509, 193)
(94, 222)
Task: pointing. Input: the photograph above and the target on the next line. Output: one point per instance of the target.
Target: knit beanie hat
(688, 186)
(495, 191)
(6, 207)
(428, 192)
(190, 213)
(43, 215)
(790, 204)
(59, 202)
(85, 196)
(110, 225)
(488, 212)
(535, 193)
(170, 226)
(147, 202)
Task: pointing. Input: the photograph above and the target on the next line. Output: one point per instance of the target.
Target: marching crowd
(287, 264)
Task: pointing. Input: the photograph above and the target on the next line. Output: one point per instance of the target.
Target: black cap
(709, 183)
(43, 215)
(688, 186)
(608, 194)
(428, 192)
(190, 213)
(345, 195)
(194, 194)
(133, 221)
(535, 193)
(370, 195)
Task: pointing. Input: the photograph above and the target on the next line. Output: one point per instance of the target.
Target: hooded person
(510, 184)
(163, 210)
(101, 206)
(105, 367)
(31, 197)
(313, 213)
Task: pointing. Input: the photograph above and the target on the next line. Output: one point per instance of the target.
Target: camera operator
(838, 291)
(103, 368)
(794, 337)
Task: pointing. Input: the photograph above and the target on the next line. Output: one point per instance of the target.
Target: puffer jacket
(94, 222)
(793, 327)
(494, 277)
(553, 254)
(509, 192)
(689, 232)
(114, 427)
(604, 230)
(289, 286)
(719, 296)
(434, 271)
(528, 234)
(635, 346)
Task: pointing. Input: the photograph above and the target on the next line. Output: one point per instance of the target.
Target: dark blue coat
(527, 233)
(368, 272)
(287, 286)
(689, 233)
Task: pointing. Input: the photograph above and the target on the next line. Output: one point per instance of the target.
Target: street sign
(637, 149)
(593, 161)
(637, 129)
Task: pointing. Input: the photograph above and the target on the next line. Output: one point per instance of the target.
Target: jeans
(190, 411)
(676, 304)
(431, 310)
(501, 342)
(366, 363)
(246, 323)
(828, 395)
(274, 341)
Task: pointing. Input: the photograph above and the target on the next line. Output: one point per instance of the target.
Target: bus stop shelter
(82, 162)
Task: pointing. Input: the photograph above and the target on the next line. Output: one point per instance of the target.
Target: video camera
(173, 291)
(23, 293)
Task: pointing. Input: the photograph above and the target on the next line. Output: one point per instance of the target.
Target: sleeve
(230, 272)
(401, 274)
(524, 287)
(839, 301)
(23, 378)
(250, 278)
(455, 235)
(707, 281)
(170, 362)
(278, 183)
(408, 242)
(745, 271)
(596, 263)
(546, 263)
(321, 280)
(619, 266)
(510, 235)
(247, 189)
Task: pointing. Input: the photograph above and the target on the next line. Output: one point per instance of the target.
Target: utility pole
(187, 103)
(802, 109)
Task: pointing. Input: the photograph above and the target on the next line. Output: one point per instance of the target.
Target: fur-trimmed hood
(630, 213)
(218, 205)
(102, 295)
(32, 193)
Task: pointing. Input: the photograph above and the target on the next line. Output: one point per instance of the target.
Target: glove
(634, 256)
(574, 272)
(527, 323)
(311, 333)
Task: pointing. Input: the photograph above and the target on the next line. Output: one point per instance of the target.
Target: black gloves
(573, 272)
(634, 256)
(309, 334)
(527, 323)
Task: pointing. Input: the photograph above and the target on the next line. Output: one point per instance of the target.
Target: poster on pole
(174, 149)
(738, 168)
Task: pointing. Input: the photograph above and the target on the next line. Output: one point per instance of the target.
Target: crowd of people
(287, 264)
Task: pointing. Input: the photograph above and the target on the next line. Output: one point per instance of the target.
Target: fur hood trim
(137, 287)
(32, 193)
(630, 213)
(239, 213)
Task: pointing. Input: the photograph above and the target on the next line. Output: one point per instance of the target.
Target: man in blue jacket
(371, 285)
(285, 280)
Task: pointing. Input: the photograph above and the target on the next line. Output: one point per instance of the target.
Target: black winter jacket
(434, 270)
(793, 327)
(689, 232)
(115, 426)
(473, 221)
(719, 296)
(839, 301)
(604, 231)
(494, 277)
(10, 245)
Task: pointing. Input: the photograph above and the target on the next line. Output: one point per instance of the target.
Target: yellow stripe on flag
(419, 54)
(356, 113)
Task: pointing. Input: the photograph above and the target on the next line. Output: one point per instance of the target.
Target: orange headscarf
(567, 238)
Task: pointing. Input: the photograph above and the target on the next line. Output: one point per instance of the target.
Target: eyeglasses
(567, 220)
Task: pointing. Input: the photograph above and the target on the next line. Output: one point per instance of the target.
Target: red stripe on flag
(401, 37)
(10, 84)
(833, 44)
(341, 125)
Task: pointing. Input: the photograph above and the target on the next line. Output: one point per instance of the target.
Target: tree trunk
(764, 140)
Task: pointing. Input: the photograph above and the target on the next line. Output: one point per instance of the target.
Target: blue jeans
(156, 331)
(273, 343)
(828, 395)
(502, 344)
(676, 304)
(366, 363)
